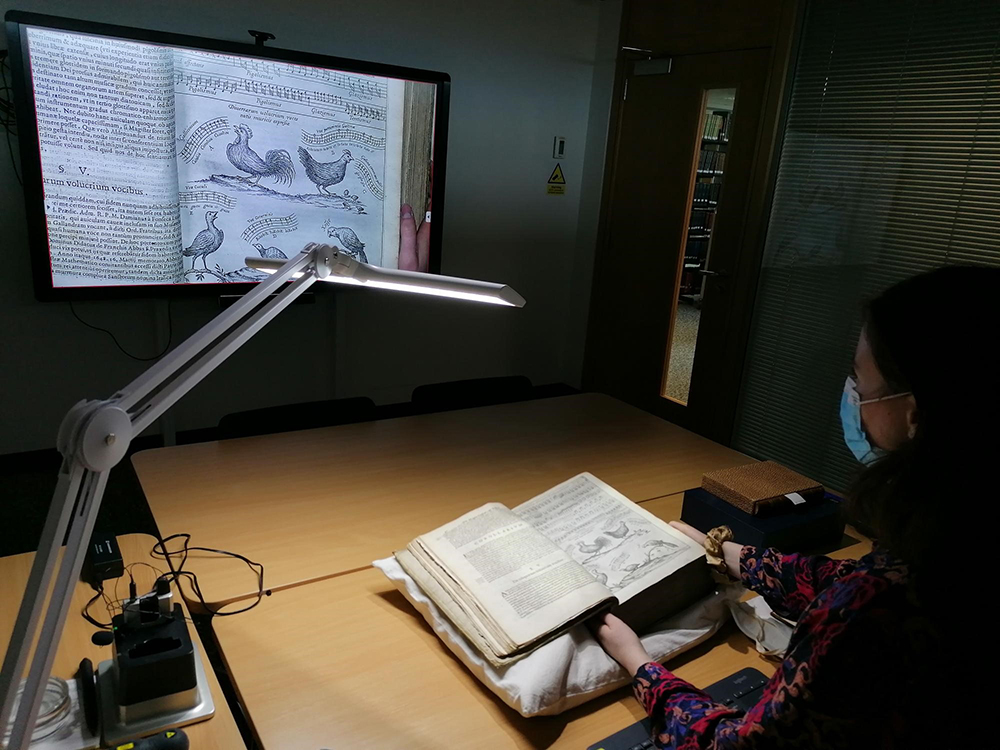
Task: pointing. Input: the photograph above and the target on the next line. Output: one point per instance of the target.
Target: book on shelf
(716, 126)
(707, 192)
(512, 579)
(696, 248)
(701, 222)
(711, 162)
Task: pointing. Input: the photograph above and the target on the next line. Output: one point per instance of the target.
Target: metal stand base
(116, 730)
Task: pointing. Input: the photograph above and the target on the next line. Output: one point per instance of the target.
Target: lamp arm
(94, 437)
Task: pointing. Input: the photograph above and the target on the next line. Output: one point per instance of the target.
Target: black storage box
(802, 529)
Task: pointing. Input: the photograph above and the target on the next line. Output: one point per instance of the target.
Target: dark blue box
(805, 528)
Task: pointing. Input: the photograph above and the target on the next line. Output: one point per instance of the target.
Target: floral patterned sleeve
(789, 583)
(813, 700)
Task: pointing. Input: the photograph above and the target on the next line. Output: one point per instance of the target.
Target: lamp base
(156, 715)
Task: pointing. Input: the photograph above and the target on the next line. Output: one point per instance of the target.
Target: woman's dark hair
(936, 335)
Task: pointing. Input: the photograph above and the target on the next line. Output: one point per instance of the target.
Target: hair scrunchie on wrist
(714, 554)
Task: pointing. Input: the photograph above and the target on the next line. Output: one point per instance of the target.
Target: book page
(275, 155)
(456, 613)
(623, 546)
(521, 584)
(105, 113)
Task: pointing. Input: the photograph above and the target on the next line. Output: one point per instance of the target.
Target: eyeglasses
(852, 385)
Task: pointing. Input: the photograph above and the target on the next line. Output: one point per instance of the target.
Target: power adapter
(103, 561)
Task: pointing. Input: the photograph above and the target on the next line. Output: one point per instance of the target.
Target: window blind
(889, 166)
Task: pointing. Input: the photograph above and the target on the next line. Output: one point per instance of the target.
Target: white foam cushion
(570, 669)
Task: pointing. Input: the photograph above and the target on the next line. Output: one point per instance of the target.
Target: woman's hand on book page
(730, 550)
(620, 641)
(414, 244)
(689, 531)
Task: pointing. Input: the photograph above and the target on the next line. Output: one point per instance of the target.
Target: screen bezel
(31, 165)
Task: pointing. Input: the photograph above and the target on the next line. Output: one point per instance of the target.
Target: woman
(875, 658)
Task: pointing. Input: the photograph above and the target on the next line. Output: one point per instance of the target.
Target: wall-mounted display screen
(156, 162)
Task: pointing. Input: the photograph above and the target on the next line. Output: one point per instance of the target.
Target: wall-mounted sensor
(559, 147)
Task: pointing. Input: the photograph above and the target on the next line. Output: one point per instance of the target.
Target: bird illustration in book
(349, 242)
(619, 532)
(206, 242)
(323, 174)
(276, 164)
(272, 253)
(597, 545)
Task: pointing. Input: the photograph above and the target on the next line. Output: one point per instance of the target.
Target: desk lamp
(95, 435)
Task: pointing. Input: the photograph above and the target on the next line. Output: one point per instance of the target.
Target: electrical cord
(176, 573)
(86, 609)
(7, 119)
(117, 604)
(173, 575)
(170, 334)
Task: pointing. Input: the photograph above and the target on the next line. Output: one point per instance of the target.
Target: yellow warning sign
(557, 182)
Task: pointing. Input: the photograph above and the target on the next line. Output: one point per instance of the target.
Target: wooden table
(317, 503)
(217, 733)
(347, 663)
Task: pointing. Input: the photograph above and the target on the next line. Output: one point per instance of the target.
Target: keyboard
(741, 690)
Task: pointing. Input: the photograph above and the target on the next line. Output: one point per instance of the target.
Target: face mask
(850, 419)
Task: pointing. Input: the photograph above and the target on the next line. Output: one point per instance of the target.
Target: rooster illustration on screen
(269, 252)
(277, 164)
(206, 242)
(349, 241)
(323, 174)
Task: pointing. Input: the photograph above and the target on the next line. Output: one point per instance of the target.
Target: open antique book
(510, 580)
(171, 165)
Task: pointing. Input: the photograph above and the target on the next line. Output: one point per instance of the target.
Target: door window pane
(709, 172)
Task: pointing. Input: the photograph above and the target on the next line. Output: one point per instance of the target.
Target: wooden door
(648, 263)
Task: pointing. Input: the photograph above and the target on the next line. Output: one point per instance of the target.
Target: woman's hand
(730, 550)
(620, 641)
(414, 244)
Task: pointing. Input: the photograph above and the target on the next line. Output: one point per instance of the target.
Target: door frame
(720, 425)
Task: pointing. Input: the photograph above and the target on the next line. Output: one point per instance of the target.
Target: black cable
(170, 335)
(128, 569)
(10, 150)
(86, 610)
(9, 120)
(160, 550)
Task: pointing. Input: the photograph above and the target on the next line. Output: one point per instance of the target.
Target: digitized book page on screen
(621, 545)
(168, 165)
(517, 578)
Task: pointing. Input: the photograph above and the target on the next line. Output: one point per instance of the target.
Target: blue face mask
(850, 419)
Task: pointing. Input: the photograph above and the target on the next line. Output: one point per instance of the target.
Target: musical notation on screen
(342, 135)
(201, 137)
(206, 196)
(270, 225)
(355, 85)
(369, 178)
(220, 83)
